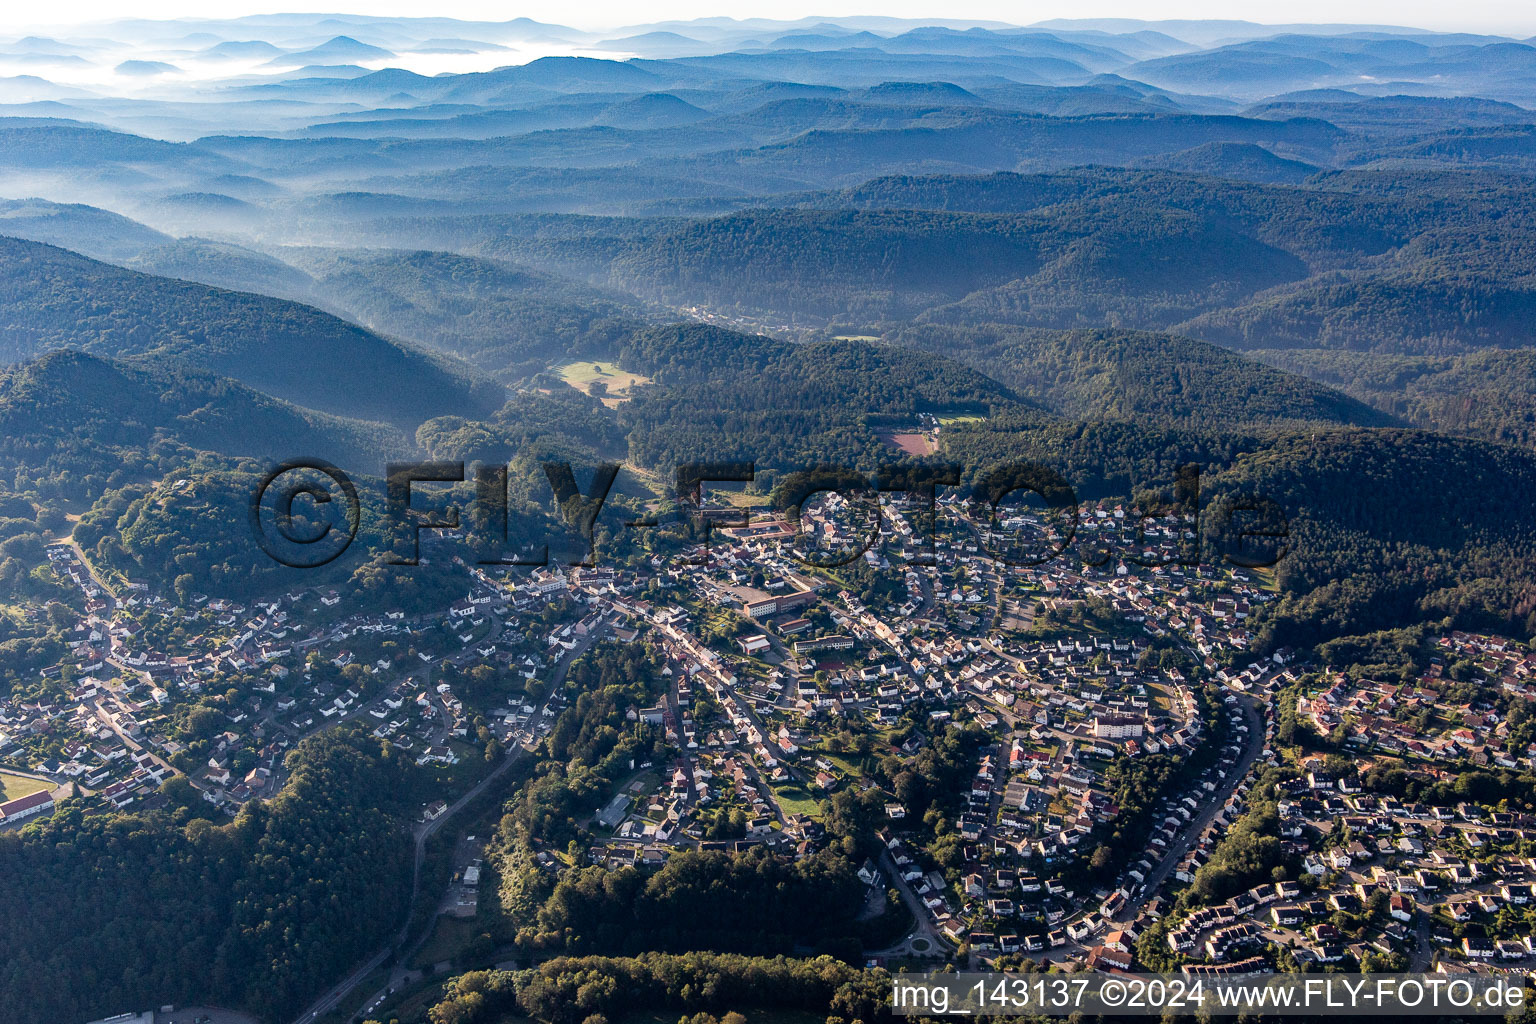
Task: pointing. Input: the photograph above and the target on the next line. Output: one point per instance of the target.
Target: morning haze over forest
(1114, 551)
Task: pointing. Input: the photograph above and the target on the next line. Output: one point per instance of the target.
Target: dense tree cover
(556, 421)
(574, 990)
(990, 140)
(1242, 161)
(1345, 219)
(859, 264)
(1102, 247)
(194, 522)
(612, 679)
(934, 778)
(1139, 377)
(142, 909)
(1428, 311)
(74, 145)
(1248, 854)
(221, 264)
(1385, 654)
(1139, 785)
(1321, 224)
(1389, 528)
(1097, 459)
(1509, 147)
(721, 395)
(1245, 265)
(866, 377)
(1097, 262)
(753, 902)
(69, 422)
(1147, 267)
(41, 604)
(1489, 394)
(24, 652)
(591, 743)
(54, 299)
(931, 783)
(1393, 117)
(1385, 528)
(507, 319)
(99, 234)
(1503, 788)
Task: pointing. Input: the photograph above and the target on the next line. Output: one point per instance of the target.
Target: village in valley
(1133, 787)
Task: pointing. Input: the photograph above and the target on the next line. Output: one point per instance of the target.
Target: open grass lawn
(948, 421)
(720, 621)
(738, 498)
(449, 936)
(14, 787)
(1265, 579)
(849, 764)
(795, 799)
(616, 383)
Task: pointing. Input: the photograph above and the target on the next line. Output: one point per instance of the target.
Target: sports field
(14, 787)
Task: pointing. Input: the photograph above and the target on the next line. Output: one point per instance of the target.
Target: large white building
(1117, 727)
(25, 807)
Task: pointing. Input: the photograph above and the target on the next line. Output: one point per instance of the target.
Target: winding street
(1210, 807)
(922, 928)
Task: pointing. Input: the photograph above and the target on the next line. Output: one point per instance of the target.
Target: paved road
(111, 595)
(1211, 806)
(923, 928)
(423, 832)
(697, 649)
(128, 741)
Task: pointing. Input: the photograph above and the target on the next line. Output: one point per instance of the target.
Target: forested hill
(51, 298)
(70, 415)
(1489, 394)
(1238, 160)
(1420, 312)
(721, 394)
(506, 319)
(825, 262)
(988, 140)
(1133, 258)
(1338, 263)
(1394, 527)
(852, 375)
(1014, 192)
(1137, 376)
(1386, 527)
(97, 233)
(144, 909)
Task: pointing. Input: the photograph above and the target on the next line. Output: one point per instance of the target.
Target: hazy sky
(1517, 17)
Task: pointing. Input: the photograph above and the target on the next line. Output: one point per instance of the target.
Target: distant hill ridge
(51, 298)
